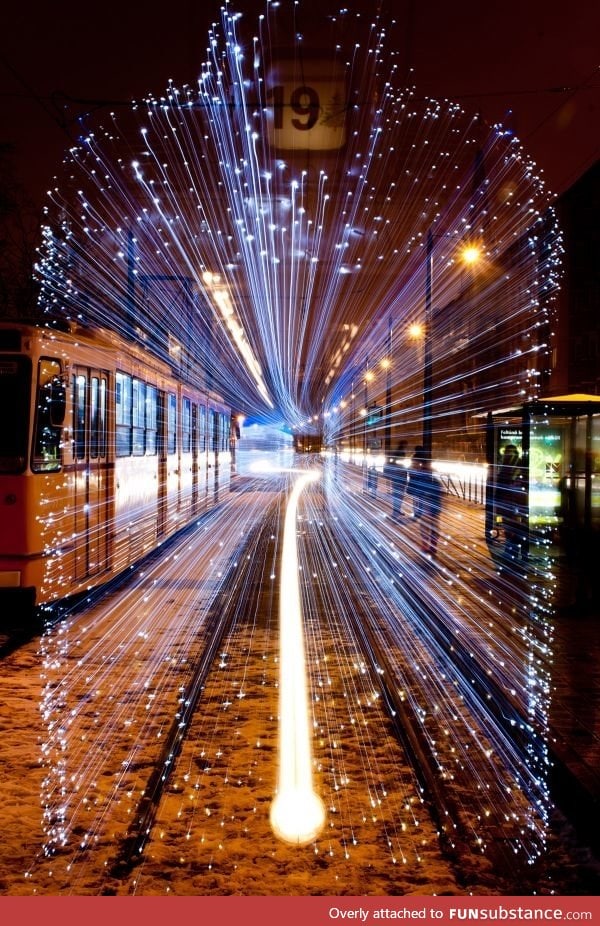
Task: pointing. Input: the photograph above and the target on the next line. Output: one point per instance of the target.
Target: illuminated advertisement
(546, 462)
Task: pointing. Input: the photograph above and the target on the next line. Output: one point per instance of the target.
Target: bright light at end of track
(297, 816)
(297, 812)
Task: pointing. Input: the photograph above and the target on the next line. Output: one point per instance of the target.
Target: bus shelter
(557, 441)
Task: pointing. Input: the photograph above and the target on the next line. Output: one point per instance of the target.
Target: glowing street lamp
(428, 356)
(416, 331)
(469, 255)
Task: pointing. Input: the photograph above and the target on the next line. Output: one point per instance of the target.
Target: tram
(105, 451)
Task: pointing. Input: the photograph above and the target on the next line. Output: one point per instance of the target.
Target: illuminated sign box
(307, 106)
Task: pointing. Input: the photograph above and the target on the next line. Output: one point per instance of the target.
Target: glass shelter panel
(564, 471)
(548, 451)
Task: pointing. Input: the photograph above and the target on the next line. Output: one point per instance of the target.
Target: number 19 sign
(307, 107)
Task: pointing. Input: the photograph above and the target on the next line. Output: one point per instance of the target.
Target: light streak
(317, 256)
(506, 631)
(315, 250)
(222, 299)
(297, 812)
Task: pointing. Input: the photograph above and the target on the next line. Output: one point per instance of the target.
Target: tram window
(139, 417)
(186, 426)
(212, 430)
(94, 416)
(202, 434)
(123, 404)
(102, 419)
(97, 418)
(151, 420)
(224, 432)
(79, 387)
(46, 438)
(195, 430)
(15, 380)
(172, 423)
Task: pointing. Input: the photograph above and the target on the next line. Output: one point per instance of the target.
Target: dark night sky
(493, 57)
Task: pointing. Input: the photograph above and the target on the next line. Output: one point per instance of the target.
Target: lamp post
(470, 255)
(353, 421)
(366, 409)
(428, 351)
(388, 395)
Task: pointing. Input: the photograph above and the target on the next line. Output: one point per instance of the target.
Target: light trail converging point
(297, 812)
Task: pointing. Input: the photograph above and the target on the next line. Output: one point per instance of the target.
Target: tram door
(92, 488)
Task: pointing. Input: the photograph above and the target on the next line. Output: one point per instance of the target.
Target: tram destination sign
(307, 106)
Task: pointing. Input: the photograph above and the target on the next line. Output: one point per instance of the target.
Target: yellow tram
(105, 451)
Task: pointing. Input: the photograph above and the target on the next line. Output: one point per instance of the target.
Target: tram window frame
(94, 416)
(98, 442)
(46, 446)
(212, 433)
(79, 415)
(195, 435)
(186, 425)
(171, 423)
(123, 414)
(151, 420)
(224, 431)
(202, 429)
(102, 418)
(138, 417)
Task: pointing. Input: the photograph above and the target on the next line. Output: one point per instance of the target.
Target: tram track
(325, 638)
(399, 684)
(387, 666)
(488, 693)
(243, 569)
(435, 791)
(463, 682)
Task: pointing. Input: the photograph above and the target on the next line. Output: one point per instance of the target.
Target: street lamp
(428, 352)
(469, 255)
(388, 394)
(367, 379)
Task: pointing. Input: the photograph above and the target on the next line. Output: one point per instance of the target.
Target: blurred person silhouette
(397, 474)
(431, 508)
(372, 477)
(417, 480)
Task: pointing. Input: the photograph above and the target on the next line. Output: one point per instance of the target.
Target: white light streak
(297, 812)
